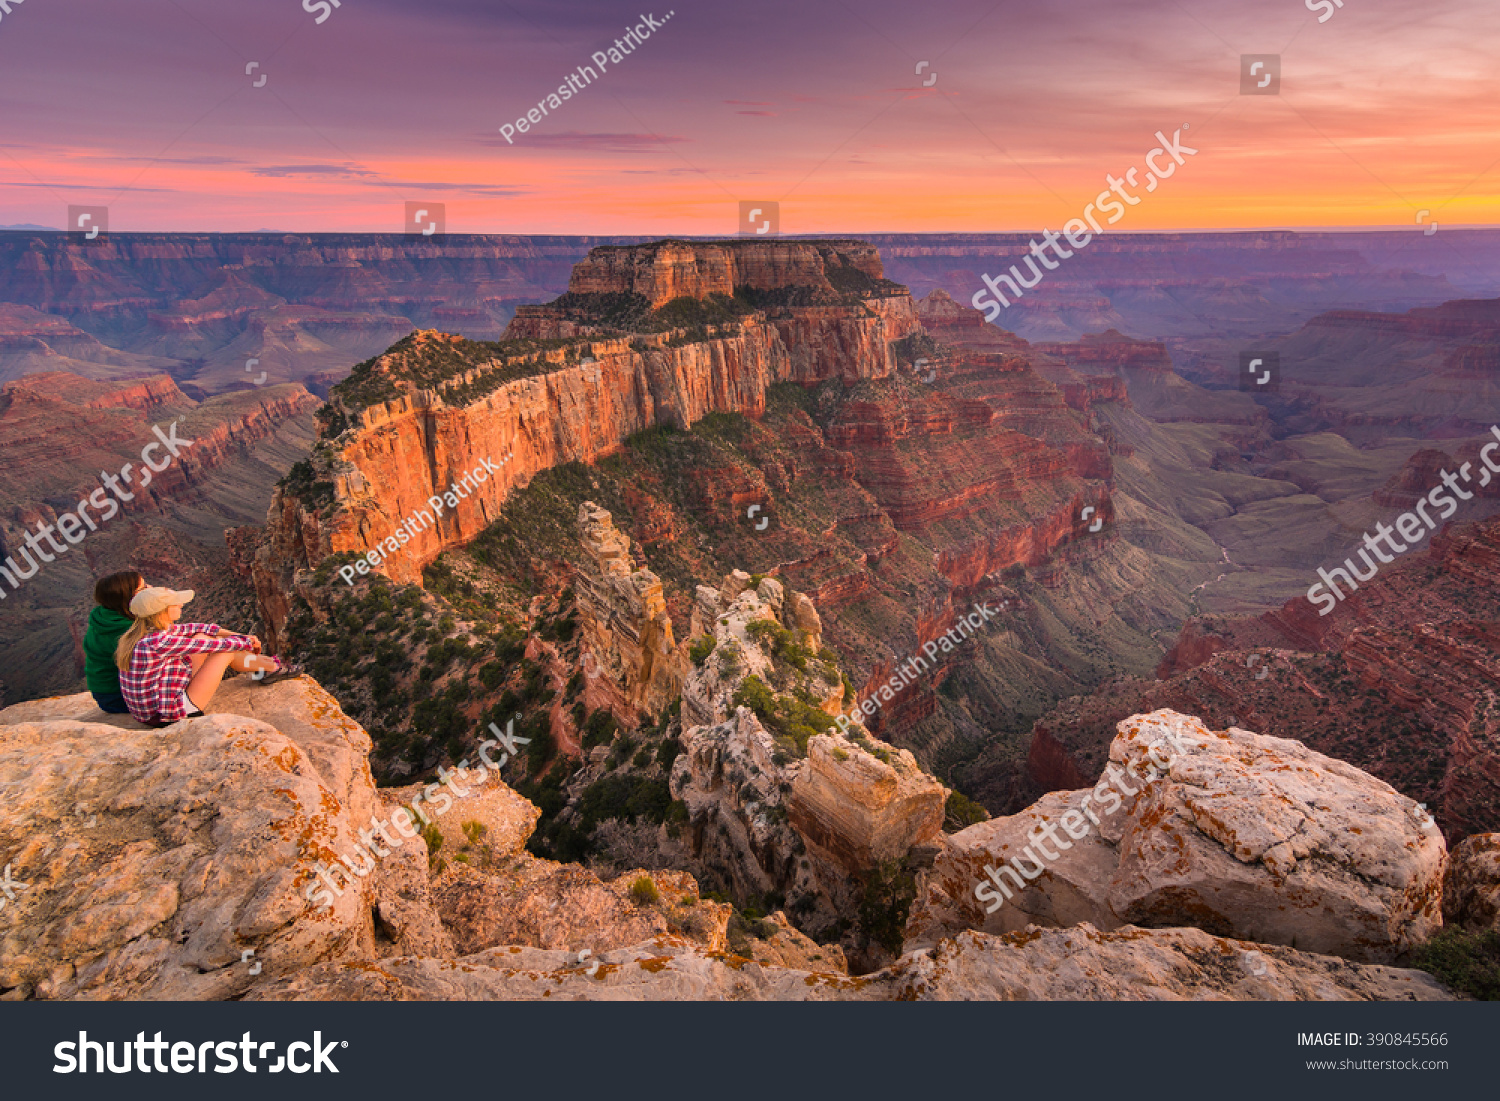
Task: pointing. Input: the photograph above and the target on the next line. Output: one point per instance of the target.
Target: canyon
(59, 432)
(714, 494)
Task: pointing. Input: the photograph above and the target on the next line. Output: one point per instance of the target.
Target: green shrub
(960, 812)
(700, 649)
(668, 752)
(643, 891)
(782, 643)
(791, 719)
(434, 838)
(599, 730)
(1466, 962)
(625, 796)
(886, 897)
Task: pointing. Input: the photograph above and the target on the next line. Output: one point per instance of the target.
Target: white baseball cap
(153, 601)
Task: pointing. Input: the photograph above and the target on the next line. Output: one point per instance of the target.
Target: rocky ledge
(1233, 832)
(192, 863)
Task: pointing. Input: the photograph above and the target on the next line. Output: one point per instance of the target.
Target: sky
(853, 117)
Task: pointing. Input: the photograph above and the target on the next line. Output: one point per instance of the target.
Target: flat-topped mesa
(571, 382)
(666, 270)
(644, 288)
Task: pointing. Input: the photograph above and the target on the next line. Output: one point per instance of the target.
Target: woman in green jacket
(107, 623)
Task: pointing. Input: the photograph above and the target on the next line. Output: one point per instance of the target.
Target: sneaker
(283, 669)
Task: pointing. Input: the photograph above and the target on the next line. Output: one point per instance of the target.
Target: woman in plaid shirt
(169, 670)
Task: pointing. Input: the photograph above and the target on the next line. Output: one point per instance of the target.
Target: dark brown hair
(114, 592)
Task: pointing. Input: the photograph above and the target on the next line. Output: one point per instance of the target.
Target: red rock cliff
(413, 423)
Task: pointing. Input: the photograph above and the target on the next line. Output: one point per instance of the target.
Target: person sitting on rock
(109, 620)
(170, 670)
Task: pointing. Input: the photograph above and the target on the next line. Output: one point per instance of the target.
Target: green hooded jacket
(99, 642)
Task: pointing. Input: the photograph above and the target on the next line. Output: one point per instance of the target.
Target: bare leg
(242, 661)
(208, 671)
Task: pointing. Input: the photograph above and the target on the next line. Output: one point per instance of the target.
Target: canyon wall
(537, 409)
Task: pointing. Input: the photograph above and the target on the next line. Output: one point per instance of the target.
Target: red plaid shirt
(160, 669)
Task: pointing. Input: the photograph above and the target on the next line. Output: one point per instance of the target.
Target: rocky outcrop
(1471, 887)
(729, 778)
(435, 406)
(670, 269)
(1240, 835)
(186, 863)
(859, 810)
(155, 867)
(727, 616)
(623, 613)
(1080, 964)
(770, 815)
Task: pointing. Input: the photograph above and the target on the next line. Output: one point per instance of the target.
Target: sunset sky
(1387, 108)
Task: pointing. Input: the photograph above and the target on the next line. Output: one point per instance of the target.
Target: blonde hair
(137, 631)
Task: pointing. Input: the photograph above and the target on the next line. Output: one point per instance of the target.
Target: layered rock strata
(546, 397)
(623, 612)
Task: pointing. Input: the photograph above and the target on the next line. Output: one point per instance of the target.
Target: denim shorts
(111, 703)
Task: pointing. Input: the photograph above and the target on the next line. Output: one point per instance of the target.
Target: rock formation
(626, 629)
(1244, 835)
(1471, 887)
(435, 407)
(859, 809)
(187, 863)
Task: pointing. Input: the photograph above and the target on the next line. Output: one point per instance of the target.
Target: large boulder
(484, 818)
(301, 708)
(860, 807)
(170, 863)
(184, 863)
(1471, 886)
(1229, 831)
